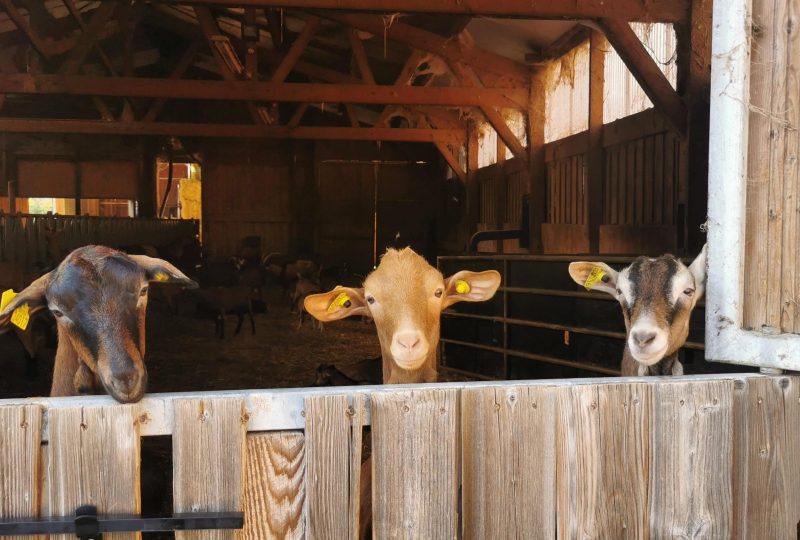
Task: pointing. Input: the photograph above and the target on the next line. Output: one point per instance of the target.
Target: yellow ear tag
(21, 316)
(6, 299)
(595, 275)
(161, 276)
(462, 287)
(342, 300)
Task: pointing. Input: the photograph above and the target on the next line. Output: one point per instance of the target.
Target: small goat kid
(99, 298)
(405, 296)
(657, 298)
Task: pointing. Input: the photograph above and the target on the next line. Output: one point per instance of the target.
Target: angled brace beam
(646, 72)
(88, 39)
(180, 68)
(20, 22)
(297, 48)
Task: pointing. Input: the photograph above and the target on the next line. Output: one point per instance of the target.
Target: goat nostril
(644, 338)
(408, 341)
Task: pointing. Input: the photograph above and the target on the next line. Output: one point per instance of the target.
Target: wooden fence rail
(689, 457)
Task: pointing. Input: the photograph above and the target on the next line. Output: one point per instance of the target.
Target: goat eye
(688, 292)
(56, 313)
(619, 291)
(143, 292)
(370, 299)
(438, 293)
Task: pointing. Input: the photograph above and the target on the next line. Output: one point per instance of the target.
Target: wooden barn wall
(251, 188)
(772, 227)
(501, 188)
(417, 205)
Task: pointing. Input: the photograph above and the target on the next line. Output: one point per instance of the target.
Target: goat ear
(161, 271)
(33, 295)
(466, 286)
(698, 270)
(594, 276)
(337, 304)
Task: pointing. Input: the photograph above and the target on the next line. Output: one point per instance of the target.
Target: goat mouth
(648, 358)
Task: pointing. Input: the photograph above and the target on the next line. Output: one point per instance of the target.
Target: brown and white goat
(405, 296)
(657, 296)
(98, 297)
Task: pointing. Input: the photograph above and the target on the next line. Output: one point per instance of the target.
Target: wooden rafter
(423, 40)
(562, 45)
(76, 14)
(631, 10)
(297, 116)
(266, 91)
(403, 79)
(27, 125)
(250, 38)
(23, 26)
(360, 56)
(180, 68)
(297, 48)
(646, 72)
(88, 39)
(447, 152)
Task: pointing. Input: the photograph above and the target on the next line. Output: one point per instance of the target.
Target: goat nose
(643, 339)
(408, 340)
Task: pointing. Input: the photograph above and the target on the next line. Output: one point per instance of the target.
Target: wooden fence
(694, 457)
(30, 240)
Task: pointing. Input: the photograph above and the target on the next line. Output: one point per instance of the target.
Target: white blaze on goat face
(657, 296)
(405, 297)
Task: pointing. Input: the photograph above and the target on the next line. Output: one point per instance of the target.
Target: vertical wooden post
(595, 163)
(147, 179)
(12, 197)
(473, 190)
(250, 37)
(77, 187)
(537, 172)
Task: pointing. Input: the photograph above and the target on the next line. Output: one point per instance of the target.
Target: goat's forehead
(652, 271)
(403, 271)
(82, 275)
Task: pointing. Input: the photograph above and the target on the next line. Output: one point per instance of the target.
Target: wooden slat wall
(682, 458)
(93, 457)
(20, 472)
(771, 279)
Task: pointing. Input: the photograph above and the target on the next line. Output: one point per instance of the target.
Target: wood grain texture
(508, 470)
(333, 459)
(274, 489)
(20, 473)
(766, 460)
(690, 481)
(603, 460)
(208, 460)
(93, 457)
(415, 464)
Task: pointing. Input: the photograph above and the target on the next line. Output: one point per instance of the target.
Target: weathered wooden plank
(790, 278)
(93, 458)
(691, 464)
(777, 165)
(670, 168)
(603, 456)
(647, 180)
(658, 181)
(333, 459)
(208, 459)
(274, 491)
(613, 160)
(415, 464)
(766, 475)
(791, 399)
(20, 472)
(756, 248)
(630, 184)
(508, 444)
(639, 183)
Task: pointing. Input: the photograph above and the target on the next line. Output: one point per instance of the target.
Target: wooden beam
(646, 72)
(360, 56)
(595, 169)
(250, 38)
(263, 91)
(38, 125)
(561, 46)
(88, 39)
(403, 79)
(22, 24)
(352, 116)
(631, 10)
(297, 48)
(504, 132)
(180, 68)
(447, 153)
(423, 40)
(297, 116)
(537, 167)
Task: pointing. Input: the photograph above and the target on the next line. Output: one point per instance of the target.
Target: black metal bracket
(87, 525)
(523, 234)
